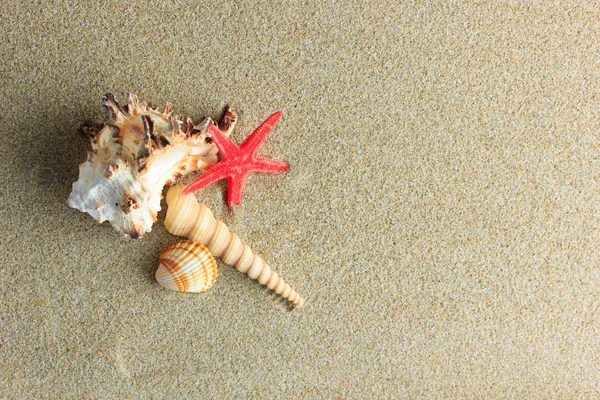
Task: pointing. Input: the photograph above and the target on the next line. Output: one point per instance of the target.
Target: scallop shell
(188, 218)
(186, 266)
(137, 152)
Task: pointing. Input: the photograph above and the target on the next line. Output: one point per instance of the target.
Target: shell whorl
(188, 218)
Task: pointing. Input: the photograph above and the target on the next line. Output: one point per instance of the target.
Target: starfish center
(237, 162)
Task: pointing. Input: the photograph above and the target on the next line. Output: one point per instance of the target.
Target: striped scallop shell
(186, 266)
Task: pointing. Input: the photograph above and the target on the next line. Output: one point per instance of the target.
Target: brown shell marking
(137, 152)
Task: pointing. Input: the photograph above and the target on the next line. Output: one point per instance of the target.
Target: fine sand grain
(441, 213)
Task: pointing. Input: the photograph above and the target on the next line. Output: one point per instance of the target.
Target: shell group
(137, 152)
(186, 266)
(188, 218)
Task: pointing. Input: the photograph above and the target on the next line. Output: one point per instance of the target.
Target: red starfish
(237, 161)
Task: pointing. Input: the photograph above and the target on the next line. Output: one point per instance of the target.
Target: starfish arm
(223, 143)
(256, 139)
(214, 174)
(235, 188)
(266, 165)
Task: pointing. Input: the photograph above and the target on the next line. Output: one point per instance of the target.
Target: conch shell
(137, 152)
(188, 218)
(186, 266)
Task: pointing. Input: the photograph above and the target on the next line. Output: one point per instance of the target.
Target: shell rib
(188, 218)
(137, 152)
(186, 266)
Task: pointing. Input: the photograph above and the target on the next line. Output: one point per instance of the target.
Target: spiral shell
(188, 218)
(186, 266)
(140, 150)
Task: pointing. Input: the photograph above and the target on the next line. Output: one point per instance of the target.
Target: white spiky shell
(186, 266)
(138, 151)
(188, 218)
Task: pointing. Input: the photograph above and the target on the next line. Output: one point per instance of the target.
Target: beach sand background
(441, 213)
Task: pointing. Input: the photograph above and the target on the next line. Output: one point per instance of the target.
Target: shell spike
(132, 157)
(228, 121)
(112, 105)
(133, 104)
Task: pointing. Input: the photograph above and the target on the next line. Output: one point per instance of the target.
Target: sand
(440, 215)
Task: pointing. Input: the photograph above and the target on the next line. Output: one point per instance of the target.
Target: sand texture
(440, 215)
